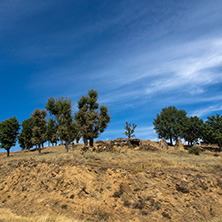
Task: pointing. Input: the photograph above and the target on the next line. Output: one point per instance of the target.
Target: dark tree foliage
(192, 129)
(212, 130)
(51, 131)
(61, 108)
(129, 131)
(39, 128)
(169, 124)
(92, 120)
(9, 130)
(25, 137)
(77, 132)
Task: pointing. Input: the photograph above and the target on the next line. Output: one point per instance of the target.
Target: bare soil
(126, 185)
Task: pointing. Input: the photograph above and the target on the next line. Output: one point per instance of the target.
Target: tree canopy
(25, 137)
(39, 128)
(61, 109)
(9, 130)
(92, 120)
(192, 129)
(169, 123)
(212, 130)
(51, 134)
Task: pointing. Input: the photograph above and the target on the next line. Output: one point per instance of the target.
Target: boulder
(179, 145)
(163, 145)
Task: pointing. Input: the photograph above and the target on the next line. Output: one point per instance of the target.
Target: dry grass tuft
(6, 215)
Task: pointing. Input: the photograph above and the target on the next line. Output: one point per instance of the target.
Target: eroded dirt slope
(127, 186)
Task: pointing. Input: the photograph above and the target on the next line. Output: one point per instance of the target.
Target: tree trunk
(191, 143)
(8, 151)
(48, 143)
(73, 146)
(171, 141)
(91, 142)
(67, 147)
(85, 142)
(39, 149)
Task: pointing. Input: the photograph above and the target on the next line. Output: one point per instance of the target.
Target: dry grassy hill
(128, 185)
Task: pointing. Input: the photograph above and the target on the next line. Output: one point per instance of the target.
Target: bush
(194, 150)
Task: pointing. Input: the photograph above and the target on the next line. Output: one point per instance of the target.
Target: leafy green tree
(25, 137)
(169, 124)
(39, 128)
(192, 129)
(129, 131)
(91, 119)
(9, 129)
(61, 108)
(77, 132)
(51, 131)
(212, 130)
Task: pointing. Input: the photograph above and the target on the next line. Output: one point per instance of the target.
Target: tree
(91, 119)
(51, 131)
(77, 132)
(25, 137)
(129, 131)
(212, 130)
(9, 130)
(192, 129)
(39, 128)
(169, 124)
(61, 108)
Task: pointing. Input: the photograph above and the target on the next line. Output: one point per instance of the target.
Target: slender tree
(91, 119)
(61, 108)
(169, 124)
(39, 128)
(25, 137)
(130, 128)
(9, 130)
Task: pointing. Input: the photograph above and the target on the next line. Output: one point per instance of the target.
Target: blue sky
(140, 55)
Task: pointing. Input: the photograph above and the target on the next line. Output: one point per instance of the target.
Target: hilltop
(126, 185)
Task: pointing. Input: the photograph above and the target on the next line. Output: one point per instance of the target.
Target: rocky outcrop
(179, 145)
(126, 142)
(163, 145)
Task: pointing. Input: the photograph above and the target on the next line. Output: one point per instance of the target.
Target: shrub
(194, 150)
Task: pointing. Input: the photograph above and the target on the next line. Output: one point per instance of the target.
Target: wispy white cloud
(148, 54)
(207, 110)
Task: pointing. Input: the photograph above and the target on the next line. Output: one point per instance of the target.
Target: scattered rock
(72, 196)
(182, 187)
(166, 215)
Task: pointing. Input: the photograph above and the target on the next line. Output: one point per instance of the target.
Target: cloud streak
(207, 110)
(140, 56)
